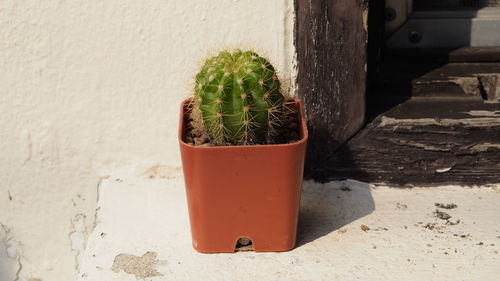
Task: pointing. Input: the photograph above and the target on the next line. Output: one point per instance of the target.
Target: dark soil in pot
(195, 135)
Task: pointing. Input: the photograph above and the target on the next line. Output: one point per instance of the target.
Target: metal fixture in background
(442, 24)
(390, 14)
(453, 4)
(401, 8)
(414, 37)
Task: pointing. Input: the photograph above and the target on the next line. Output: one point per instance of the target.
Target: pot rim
(302, 122)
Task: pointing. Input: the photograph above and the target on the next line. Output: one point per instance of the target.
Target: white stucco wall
(89, 88)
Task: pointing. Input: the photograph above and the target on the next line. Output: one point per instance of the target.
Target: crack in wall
(81, 229)
(78, 237)
(98, 198)
(29, 148)
(13, 251)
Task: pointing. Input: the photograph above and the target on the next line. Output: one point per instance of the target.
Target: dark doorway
(433, 90)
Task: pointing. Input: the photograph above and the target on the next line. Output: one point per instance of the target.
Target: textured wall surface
(89, 88)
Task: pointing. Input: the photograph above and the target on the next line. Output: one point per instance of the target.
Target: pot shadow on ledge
(330, 206)
(326, 207)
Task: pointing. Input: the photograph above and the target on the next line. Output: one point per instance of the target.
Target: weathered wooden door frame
(331, 41)
(421, 140)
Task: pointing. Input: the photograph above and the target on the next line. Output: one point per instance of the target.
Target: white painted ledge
(142, 226)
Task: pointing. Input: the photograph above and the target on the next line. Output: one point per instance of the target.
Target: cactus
(238, 98)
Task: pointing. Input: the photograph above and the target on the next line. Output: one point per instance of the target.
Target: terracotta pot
(243, 191)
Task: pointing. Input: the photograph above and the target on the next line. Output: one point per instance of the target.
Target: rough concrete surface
(141, 267)
(348, 231)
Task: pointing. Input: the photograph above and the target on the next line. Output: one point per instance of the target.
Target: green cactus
(238, 96)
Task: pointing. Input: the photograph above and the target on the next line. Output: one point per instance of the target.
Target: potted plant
(242, 145)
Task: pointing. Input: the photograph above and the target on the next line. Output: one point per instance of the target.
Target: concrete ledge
(348, 230)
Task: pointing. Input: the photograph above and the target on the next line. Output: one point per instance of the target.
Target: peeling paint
(78, 237)
(365, 22)
(469, 85)
(482, 147)
(466, 122)
(477, 84)
(443, 170)
(419, 145)
(10, 256)
(490, 87)
(484, 113)
(141, 267)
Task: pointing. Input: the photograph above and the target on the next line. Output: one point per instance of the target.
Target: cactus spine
(238, 97)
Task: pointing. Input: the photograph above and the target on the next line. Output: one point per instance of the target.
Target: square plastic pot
(243, 191)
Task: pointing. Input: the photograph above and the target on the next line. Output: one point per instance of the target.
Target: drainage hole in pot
(244, 244)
